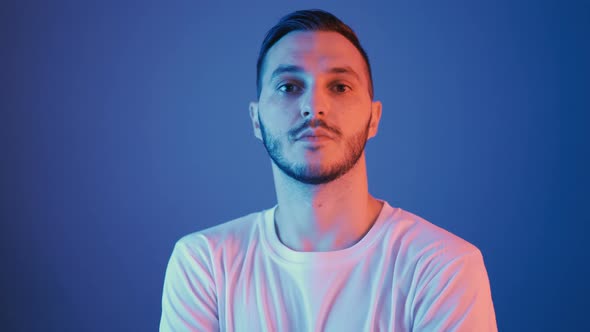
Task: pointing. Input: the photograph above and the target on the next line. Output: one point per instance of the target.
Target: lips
(314, 139)
(315, 135)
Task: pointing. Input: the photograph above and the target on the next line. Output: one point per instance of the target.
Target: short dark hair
(308, 20)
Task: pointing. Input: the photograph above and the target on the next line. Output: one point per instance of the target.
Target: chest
(264, 295)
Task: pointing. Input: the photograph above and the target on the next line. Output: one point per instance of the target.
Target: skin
(314, 116)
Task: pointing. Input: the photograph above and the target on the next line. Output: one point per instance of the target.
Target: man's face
(314, 114)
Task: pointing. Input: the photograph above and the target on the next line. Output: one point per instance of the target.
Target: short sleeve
(189, 301)
(456, 298)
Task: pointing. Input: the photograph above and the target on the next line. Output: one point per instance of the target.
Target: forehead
(314, 51)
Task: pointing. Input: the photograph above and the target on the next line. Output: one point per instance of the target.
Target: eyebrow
(345, 70)
(281, 69)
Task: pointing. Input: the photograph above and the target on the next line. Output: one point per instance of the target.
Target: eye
(290, 88)
(340, 88)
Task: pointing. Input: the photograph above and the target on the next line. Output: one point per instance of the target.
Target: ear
(254, 119)
(375, 118)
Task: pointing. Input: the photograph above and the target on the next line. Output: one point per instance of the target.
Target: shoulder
(232, 235)
(424, 245)
(427, 235)
(448, 281)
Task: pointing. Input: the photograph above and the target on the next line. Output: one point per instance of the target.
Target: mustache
(313, 123)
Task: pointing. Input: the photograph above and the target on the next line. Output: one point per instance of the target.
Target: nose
(314, 103)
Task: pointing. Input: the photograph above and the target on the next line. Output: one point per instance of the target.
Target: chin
(315, 174)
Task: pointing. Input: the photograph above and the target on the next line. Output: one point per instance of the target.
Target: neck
(324, 217)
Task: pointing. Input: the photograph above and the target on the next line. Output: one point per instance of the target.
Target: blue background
(125, 126)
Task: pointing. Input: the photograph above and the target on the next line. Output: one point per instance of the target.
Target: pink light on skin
(315, 112)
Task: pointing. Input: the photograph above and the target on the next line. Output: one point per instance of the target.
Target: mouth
(314, 138)
(313, 135)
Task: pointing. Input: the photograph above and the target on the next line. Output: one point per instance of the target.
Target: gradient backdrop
(124, 126)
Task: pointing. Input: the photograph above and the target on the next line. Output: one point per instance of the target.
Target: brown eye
(289, 88)
(340, 88)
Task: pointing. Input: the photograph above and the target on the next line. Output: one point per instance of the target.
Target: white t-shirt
(405, 274)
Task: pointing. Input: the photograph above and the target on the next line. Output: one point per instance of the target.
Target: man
(329, 256)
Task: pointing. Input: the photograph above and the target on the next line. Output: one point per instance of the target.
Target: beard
(315, 174)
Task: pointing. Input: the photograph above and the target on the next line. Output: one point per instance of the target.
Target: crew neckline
(284, 253)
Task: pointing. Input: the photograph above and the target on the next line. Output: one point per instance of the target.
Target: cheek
(274, 125)
(279, 117)
(353, 114)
